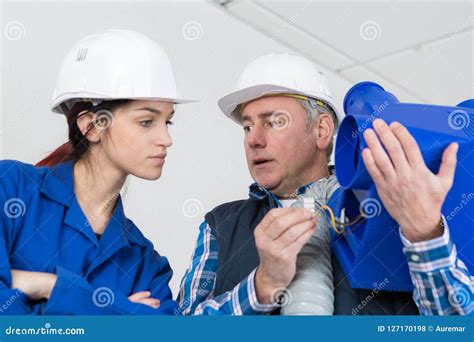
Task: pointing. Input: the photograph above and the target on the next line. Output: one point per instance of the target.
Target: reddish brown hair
(78, 143)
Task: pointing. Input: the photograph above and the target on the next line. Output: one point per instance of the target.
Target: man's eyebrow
(261, 116)
(153, 110)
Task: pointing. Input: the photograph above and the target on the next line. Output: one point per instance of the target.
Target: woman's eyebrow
(153, 110)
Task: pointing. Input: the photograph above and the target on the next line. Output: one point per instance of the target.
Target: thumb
(448, 164)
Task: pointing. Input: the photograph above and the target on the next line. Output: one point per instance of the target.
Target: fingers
(139, 295)
(284, 220)
(297, 245)
(448, 164)
(371, 167)
(391, 143)
(23, 279)
(409, 144)
(143, 297)
(152, 302)
(272, 215)
(294, 232)
(16, 279)
(380, 156)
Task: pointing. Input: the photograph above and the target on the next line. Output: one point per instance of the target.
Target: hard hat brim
(56, 103)
(229, 103)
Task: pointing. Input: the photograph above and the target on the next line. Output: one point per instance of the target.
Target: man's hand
(410, 192)
(36, 285)
(279, 238)
(143, 297)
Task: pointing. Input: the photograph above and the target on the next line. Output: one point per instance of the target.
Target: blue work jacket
(44, 229)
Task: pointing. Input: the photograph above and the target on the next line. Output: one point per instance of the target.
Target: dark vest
(233, 225)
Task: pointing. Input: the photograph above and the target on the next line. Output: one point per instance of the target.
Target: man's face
(281, 150)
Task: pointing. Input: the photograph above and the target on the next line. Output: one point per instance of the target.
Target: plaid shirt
(442, 282)
(443, 285)
(196, 290)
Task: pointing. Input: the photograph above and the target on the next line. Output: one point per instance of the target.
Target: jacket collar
(260, 193)
(58, 185)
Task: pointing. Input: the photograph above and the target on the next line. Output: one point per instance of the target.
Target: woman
(66, 246)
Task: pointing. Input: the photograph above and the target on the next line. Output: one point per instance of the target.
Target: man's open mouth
(261, 161)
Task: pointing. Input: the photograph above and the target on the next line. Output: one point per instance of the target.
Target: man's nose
(256, 138)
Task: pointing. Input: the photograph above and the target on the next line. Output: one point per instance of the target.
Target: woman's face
(136, 137)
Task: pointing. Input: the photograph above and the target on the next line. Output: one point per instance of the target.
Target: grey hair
(314, 108)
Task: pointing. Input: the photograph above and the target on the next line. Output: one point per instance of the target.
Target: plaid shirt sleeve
(196, 295)
(443, 285)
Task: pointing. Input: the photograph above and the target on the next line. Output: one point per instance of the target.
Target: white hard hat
(278, 73)
(114, 64)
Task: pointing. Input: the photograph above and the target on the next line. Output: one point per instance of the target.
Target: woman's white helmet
(114, 64)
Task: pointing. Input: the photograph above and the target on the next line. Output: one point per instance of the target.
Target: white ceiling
(421, 51)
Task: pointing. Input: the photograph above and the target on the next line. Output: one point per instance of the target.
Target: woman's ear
(86, 124)
(323, 130)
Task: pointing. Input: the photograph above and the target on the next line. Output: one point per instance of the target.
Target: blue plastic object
(370, 251)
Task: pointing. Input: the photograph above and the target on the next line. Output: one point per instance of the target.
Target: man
(247, 250)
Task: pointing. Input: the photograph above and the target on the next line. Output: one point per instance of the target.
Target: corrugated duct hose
(311, 291)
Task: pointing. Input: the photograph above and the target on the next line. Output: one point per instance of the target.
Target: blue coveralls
(44, 229)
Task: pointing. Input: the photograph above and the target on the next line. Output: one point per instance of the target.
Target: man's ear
(85, 122)
(323, 130)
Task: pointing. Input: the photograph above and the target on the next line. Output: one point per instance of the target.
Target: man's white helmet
(278, 73)
(114, 64)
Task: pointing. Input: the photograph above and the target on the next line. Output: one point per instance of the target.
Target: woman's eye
(169, 123)
(146, 123)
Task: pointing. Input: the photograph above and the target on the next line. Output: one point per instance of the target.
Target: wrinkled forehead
(264, 107)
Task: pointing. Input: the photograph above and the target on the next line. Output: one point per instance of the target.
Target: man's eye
(271, 124)
(247, 128)
(169, 123)
(146, 123)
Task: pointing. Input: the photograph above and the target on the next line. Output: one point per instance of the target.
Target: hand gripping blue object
(370, 250)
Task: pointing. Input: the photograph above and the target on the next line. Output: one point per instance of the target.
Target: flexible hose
(312, 291)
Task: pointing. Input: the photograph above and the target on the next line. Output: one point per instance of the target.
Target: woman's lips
(159, 159)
